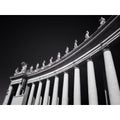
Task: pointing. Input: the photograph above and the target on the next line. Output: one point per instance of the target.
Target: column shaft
(77, 94)
(65, 89)
(48, 102)
(19, 89)
(31, 94)
(92, 90)
(46, 92)
(40, 100)
(38, 94)
(112, 81)
(106, 99)
(55, 91)
(58, 101)
(7, 97)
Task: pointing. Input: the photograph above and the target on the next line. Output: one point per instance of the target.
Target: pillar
(106, 99)
(92, 90)
(8, 95)
(55, 91)
(48, 102)
(112, 81)
(40, 100)
(19, 89)
(65, 89)
(45, 100)
(38, 93)
(57, 100)
(25, 95)
(31, 94)
(77, 94)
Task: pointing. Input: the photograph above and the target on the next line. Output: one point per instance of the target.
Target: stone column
(65, 89)
(112, 81)
(92, 90)
(58, 101)
(77, 94)
(40, 100)
(8, 95)
(31, 94)
(46, 94)
(48, 102)
(19, 89)
(38, 93)
(55, 91)
(106, 99)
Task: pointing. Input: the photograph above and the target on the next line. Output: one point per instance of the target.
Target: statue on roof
(24, 67)
(37, 66)
(102, 21)
(31, 69)
(43, 64)
(67, 50)
(87, 35)
(16, 71)
(75, 44)
(51, 61)
(58, 56)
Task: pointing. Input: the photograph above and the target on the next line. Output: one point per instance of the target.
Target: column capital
(66, 72)
(48, 79)
(56, 75)
(77, 66)
(33, 83)
(106, 49)
(89, 59)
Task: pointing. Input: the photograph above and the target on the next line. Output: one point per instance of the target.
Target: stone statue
(31, 69)
(75, 44)
(87, 35)
(67, 50)
(37, 66)
(43, 64)
(51, 61)
(102, 21)
(16, 71)
(58, 56)
(24, 67)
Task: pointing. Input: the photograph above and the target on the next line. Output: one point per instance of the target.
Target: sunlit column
(106, 99)
(112, 81)
(48, 102)
(65, 89)
(58, 101)
(9, 92)
(31, 94)
(40, 100)
(38, 93)
(92, 90)
(77, 94)
(19, 89)
(55, 91)
(46, 92)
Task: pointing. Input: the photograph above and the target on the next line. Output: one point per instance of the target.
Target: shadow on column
(84, 83)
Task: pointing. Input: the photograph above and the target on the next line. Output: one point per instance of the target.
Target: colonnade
(111, 77)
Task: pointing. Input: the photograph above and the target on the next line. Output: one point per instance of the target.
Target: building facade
(71, 79)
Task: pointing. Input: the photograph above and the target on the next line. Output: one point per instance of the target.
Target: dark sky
(35, 38)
